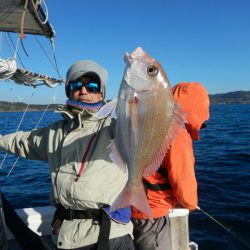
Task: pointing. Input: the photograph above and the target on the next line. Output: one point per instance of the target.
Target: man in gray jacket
(85, 182)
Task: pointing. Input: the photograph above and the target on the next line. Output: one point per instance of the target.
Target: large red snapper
(148, 119)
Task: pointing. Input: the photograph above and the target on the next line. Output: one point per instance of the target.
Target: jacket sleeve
(181, 173)
(31, 145)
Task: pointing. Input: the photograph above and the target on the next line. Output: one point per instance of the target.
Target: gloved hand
(121, 215)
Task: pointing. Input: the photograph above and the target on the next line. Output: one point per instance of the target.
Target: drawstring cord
(84, 158)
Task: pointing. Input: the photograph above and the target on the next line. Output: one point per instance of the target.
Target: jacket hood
(194, 100)
(87, 67)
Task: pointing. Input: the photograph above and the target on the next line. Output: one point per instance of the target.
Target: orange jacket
(179, 161)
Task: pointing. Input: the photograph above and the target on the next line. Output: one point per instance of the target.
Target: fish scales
(139, 145)
(148, 119)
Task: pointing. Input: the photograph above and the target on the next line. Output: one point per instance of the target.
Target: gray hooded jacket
(63, 144)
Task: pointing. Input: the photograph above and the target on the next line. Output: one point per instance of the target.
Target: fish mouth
(138, 52)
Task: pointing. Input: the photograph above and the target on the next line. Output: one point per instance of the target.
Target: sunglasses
(89, 86)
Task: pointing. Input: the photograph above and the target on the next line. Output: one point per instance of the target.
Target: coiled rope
(46, 11)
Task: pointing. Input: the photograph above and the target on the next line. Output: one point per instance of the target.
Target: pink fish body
(147, 121)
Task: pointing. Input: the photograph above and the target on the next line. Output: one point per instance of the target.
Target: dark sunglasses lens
(92, 86)
(75, 85)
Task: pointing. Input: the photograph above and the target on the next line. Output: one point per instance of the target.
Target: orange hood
(194, 100)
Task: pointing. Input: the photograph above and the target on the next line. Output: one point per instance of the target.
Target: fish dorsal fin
(116, 157)
(179, 119)
(108, 109)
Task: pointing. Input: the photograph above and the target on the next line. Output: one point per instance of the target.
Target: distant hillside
(235, 97)
(20, 106)
(241, 97)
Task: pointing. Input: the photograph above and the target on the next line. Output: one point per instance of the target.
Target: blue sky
(194, 40)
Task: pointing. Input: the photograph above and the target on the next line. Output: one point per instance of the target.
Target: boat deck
(38, 219)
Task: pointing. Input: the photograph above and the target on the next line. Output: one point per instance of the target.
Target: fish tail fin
(135, 197)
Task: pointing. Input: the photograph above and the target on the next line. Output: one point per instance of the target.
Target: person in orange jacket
(174, 184)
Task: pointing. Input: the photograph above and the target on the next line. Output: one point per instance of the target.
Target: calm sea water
(222, 169)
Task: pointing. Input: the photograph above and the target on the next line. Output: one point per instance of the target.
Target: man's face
(86, 93)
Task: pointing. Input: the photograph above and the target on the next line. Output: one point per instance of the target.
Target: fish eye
(152, 70)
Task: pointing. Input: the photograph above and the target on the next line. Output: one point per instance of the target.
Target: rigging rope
(55, 66)
(18, 126)
(9, 67)
(54, 54)
(48, 81)
(14, 164)
(15, 48)
(25, 51)
(45, 52)
(21, 34)
(8, 44)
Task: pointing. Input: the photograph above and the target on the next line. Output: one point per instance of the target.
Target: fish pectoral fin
(133, 114)
(116, 157)
(108, 109)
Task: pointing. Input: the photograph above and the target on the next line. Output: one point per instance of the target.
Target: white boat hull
(39, 219)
